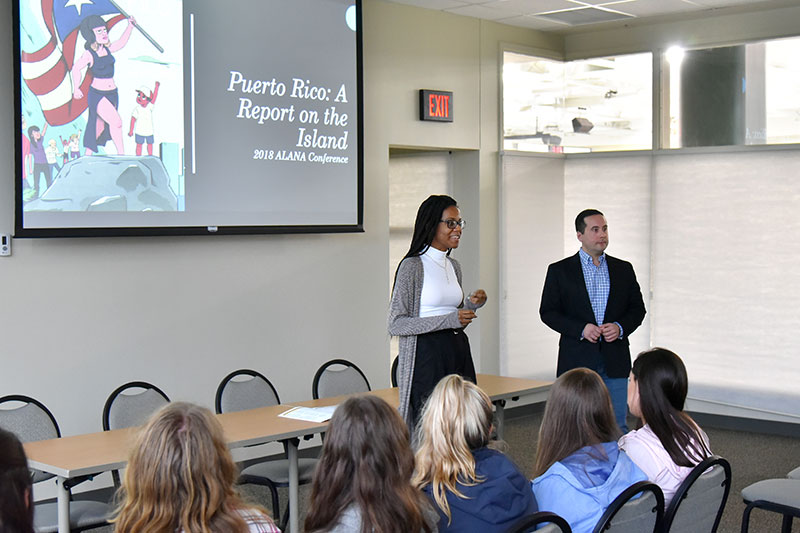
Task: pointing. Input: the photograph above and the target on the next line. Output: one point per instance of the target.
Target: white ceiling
(559, 15)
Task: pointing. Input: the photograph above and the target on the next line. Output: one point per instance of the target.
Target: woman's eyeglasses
(452, 223)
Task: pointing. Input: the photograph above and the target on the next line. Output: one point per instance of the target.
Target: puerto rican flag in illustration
(47, 71)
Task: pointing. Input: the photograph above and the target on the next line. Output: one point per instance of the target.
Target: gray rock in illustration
(109, 183)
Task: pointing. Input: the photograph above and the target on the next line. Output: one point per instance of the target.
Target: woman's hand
(78, 94)
(465, 316)
(478, 297)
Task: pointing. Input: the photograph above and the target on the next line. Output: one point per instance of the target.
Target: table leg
(294, 493)
(499, 414)
(63, 505)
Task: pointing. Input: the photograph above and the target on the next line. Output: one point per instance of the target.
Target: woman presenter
(428, 310)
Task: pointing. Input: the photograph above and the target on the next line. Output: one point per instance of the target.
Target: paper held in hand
(310, 414)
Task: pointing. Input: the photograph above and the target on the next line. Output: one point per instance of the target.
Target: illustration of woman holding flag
(104, 121)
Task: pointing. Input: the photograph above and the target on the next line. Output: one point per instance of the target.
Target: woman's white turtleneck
(441, 293)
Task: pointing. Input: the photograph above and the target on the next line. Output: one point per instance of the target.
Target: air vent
(586, 15)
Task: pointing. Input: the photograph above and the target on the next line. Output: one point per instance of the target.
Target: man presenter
(593, 300)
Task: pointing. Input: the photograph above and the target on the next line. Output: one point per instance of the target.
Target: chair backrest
(125, 408)
(337, 377)
(530, 523)
(699, 501)
(244, 389)
(394, 370)
(631, 514)
(29, 420)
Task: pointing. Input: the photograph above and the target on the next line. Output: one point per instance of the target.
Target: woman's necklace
(443, 266)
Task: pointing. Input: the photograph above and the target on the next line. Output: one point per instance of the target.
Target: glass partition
(599, 104)
(733, 95)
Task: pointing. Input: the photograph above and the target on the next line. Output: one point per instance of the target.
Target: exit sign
(436, 105)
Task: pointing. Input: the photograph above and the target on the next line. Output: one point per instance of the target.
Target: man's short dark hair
(580, 220)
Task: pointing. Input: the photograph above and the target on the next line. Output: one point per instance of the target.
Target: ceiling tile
(528, 7)
(510, 11)
(587, 15)
(725, 3)
(432, 4)
(534, 23)
(478, 11)
(649, 8)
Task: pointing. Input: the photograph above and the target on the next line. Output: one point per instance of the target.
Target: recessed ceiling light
(674, 55)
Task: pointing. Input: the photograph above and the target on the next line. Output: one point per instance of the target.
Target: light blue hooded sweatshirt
(580, 487)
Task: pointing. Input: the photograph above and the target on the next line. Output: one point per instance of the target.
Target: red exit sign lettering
(436, 105)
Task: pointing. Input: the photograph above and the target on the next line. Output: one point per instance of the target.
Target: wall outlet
(5, 244)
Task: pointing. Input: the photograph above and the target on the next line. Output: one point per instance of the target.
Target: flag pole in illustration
(141, 30)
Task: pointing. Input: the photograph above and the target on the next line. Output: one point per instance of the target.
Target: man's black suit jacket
(566, 308)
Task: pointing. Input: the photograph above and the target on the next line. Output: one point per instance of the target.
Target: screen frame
(20, 231)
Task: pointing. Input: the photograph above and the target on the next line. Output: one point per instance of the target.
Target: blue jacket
(493, 505)
(581, 486)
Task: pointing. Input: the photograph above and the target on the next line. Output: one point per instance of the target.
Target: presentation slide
(198, 117)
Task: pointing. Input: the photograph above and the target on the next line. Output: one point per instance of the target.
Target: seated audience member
(16, 508)
(670, 443)
(579, 468)
(180, 478)
(475, 488)
(363, 479)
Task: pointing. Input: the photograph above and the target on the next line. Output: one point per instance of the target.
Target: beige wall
(81, 316)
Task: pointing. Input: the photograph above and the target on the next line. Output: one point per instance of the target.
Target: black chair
(530, 523)
(247, 389)
(124, 410)
(699, 501)
(394, 370)
(338, 377)
(629, 514)
(30, 421)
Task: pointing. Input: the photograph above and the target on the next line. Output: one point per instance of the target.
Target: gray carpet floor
(753, 457)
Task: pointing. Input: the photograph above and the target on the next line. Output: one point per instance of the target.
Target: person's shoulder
(493, 459)
(409, 266)
(557, 474)
(640, 441)
(561, 264)
(616, 261)
(555, 484)
(413, 261)
(349, 520)
(638, 435)
(627, 469)
(258, 522)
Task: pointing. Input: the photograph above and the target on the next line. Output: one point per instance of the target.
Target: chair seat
(277, 470)
(784, 492)
(82, 514)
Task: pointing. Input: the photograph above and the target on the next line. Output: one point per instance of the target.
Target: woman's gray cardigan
(405, 322)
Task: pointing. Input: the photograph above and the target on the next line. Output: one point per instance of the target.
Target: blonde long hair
(180, 477)
(456, 419)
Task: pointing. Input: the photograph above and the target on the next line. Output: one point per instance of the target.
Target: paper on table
(310, 414)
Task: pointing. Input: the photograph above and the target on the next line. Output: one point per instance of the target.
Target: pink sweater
(644, 448)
